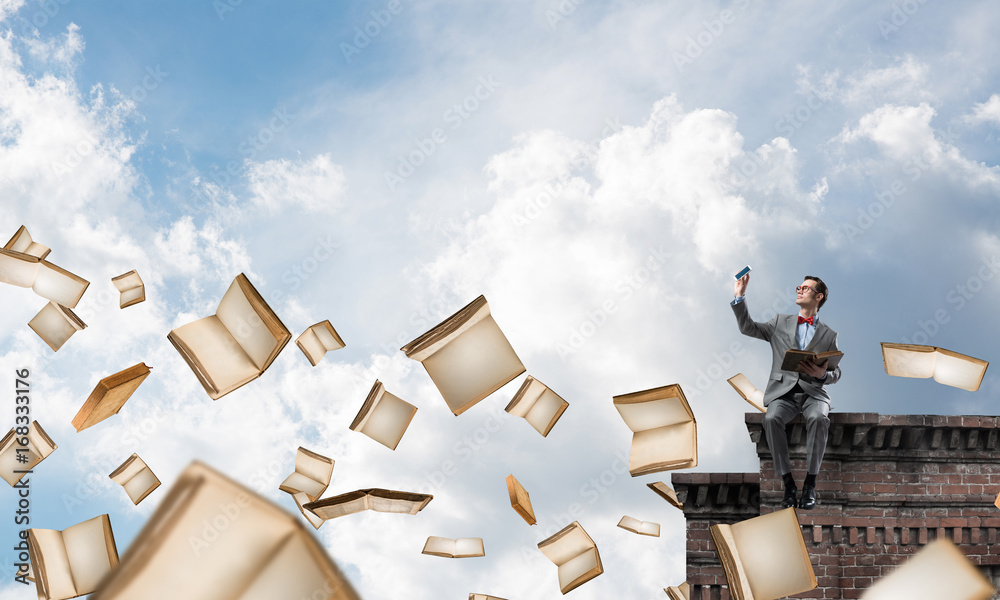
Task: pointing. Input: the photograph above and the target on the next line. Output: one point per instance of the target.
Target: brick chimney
(889, 484)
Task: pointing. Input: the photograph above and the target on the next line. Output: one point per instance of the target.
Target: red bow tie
(805, 320)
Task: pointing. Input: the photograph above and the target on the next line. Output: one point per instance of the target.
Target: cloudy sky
(598, 170)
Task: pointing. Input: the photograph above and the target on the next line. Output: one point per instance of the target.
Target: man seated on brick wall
(789, 393)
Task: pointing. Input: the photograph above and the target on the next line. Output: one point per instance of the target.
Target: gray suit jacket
(780, 332)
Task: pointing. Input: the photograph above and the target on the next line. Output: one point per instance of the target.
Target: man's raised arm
(747, 325)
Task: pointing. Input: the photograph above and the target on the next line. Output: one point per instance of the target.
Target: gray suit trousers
(782, 410)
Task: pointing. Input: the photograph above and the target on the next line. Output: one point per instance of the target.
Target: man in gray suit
(789, 393)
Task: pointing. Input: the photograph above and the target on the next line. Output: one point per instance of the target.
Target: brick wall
(888, 485)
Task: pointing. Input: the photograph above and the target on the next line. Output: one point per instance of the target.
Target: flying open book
(376, 499)
(130, 287)
(538, 405)
(317, 340)
(519, 500)
(110, 395)
(794, 357)
(234, 346)
(666, 492)
(55, 324)
(665, 435)
(765, 558)
(44, 278)
(939, 570)
(575, 554)
(311, 476)
(40, 446)
(72, 562)
(214, 539)
(945, 366)
(744, 388)
(679, 592)
(458, 548)
(641, 527)
(137, 479)
(22, 242)
(466, 356)
(384, 417)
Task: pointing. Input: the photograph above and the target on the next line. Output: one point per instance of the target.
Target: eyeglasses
(804, 288)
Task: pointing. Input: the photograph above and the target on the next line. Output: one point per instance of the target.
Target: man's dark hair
(819, 288)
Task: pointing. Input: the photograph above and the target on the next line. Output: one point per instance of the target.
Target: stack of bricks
(889, 484)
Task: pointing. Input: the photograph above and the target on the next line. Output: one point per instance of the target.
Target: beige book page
(58, 285)
(130, 295)
(333, 511)
(773, 555)
(58, 576)
(128, 282)
(217, 542)
(958, 370)
(388, 420)
(939, 570)
(245, 325)
(568, 546)
(326, 337)
(297, 482)
(39, 442)
(439, 546)
(128, 469)
(455, 325)
(51, 325)
(392, 505)
(543, 410)
(908, 361)
(642, 416)
(528, 399)
(9, 464)
(292, 572)
(17, 270)
(314, 467)
(225, 363)
(87, 550)
(674, 443)
(469, 547)
(473, 365)
(311, 346)
(301, 499)
(140, 484)
(576, 567)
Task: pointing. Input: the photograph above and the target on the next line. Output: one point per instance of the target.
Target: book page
(56, 572)
(297, 482)
(653, 414)
(291, 572)
(939, 570)
(575, 568)
(907, 360)
(439, 546)
(59, 285)
(388, 420)
(326, 335)
(225, 363)
(246, 326)
(526, 397)
(311, 346)
(300, 501)
(473, 365)
(545, 409)
(132, 295)
(18, 269)
(52, 326)
(671, 444)
(139, 485)
(959, 370)
(773, 555)
(39, 442)
(314, 466)
(469, 547)
(88, 553)
(567, 544)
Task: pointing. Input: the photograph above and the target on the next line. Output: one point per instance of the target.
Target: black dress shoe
(808, 501)
(790, 500)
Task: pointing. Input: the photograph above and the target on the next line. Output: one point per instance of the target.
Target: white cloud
(63, 52)
(314, 185)
(986, 112)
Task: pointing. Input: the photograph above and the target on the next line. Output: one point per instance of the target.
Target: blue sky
(598, 170)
